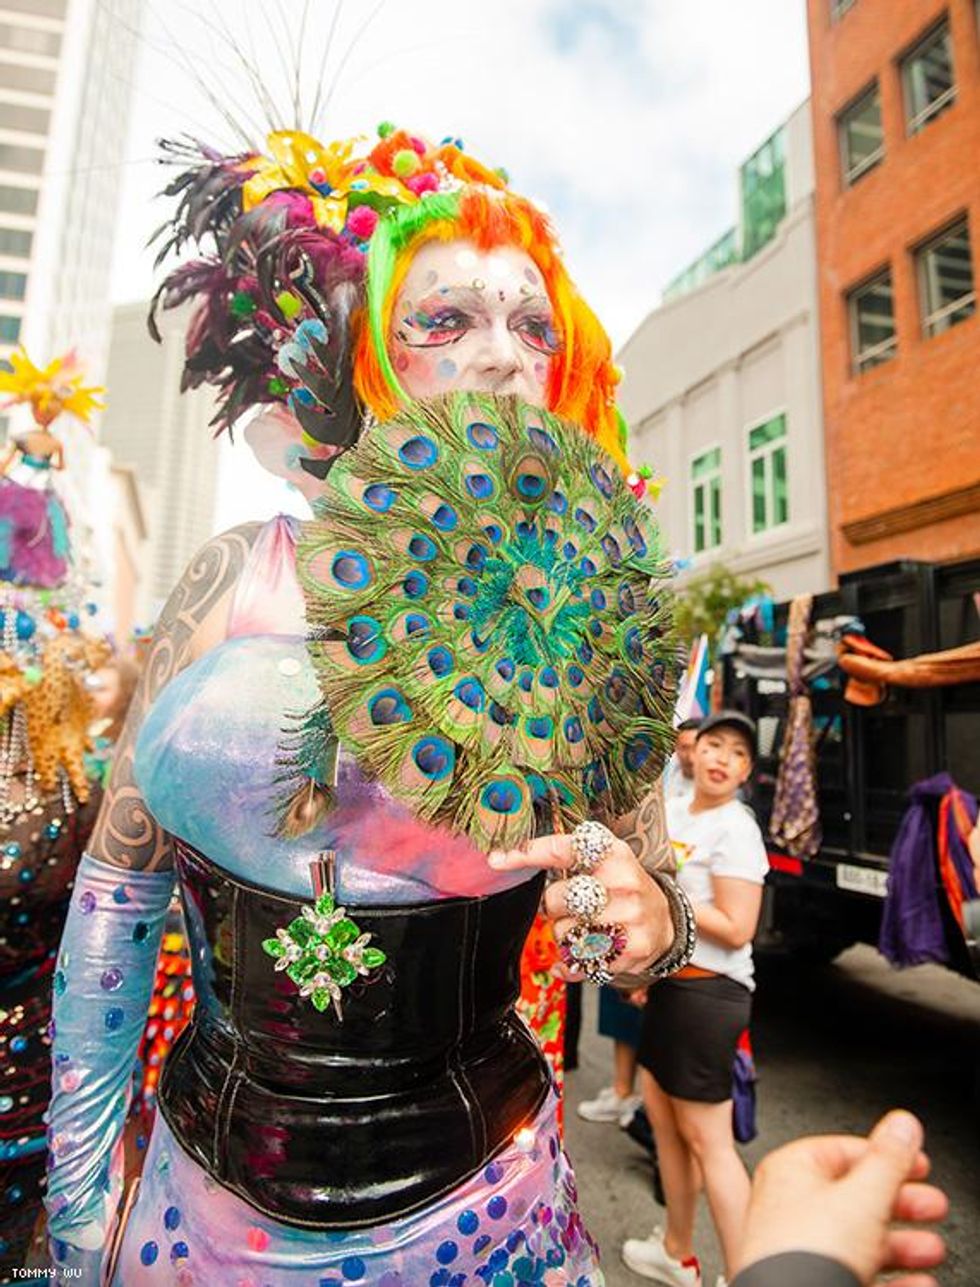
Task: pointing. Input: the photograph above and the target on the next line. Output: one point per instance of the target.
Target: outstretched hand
(839, 1196)
(635, 900)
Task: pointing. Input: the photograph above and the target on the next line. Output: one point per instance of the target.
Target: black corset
(328, 1124)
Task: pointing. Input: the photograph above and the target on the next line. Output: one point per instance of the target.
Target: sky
(627, 119)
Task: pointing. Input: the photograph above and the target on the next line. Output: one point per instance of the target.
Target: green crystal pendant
(323, 951)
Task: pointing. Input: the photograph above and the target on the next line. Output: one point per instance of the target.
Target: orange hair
(583, 377)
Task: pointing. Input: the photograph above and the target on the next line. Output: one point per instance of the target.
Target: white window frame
(860, 363)
(766, 453)
(704, 481)
(930, 321)
(913, 124)
(851, 176)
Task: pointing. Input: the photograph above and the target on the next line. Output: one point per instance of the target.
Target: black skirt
(690, 1031)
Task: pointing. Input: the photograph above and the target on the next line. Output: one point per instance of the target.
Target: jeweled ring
(591, 842)
(586, 897)
(590, 949)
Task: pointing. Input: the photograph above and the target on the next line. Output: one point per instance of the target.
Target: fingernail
(903, 1127)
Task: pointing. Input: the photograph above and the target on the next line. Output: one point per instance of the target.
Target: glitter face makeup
(469, 319)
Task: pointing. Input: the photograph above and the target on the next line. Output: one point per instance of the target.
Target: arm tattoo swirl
(126, 833)
(645, 831)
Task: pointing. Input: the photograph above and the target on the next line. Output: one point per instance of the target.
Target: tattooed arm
(645, 831)
(194, 619)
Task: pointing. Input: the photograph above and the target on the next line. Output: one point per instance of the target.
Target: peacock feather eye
(478, 576)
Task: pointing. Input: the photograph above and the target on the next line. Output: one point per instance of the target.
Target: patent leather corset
(329, 1124)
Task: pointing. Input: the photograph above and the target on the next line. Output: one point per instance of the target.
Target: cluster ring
(586, 897)
(591, 843)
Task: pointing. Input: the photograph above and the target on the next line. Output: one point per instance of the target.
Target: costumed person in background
(693, 1022)
(47, 801)
(34, 546)
(362, 740)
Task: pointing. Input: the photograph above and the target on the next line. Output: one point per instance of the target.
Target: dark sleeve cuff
(796, 1269)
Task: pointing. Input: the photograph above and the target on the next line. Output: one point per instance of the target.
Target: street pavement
(835, 1047)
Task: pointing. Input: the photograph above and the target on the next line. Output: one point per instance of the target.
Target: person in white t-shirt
(679, 773)
(693, 1020)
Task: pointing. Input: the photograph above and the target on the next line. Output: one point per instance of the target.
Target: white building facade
(66, 82)
(168, 440)
(722, 386)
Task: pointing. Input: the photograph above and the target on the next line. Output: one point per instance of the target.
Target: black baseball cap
(731, 719)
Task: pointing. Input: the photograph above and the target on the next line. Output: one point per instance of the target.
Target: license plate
(862, 880)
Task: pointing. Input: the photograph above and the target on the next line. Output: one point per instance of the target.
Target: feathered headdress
(284, 236)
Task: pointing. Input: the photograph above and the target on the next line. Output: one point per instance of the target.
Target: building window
(15, 241)
(25, 160)
(927, 74)
(18, 200)
(706, 500)
(762, 183)
(839, 7)
(873, 338)
(767, 469)
(29, 40)
(32, 120)
(862, 139)
(9, 329)
(35, 80)
(12, 285)
(946, 291)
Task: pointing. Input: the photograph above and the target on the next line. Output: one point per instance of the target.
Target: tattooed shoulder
(126, 833)
(645, 831)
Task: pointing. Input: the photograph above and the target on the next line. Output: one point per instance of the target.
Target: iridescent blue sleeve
(103, 983)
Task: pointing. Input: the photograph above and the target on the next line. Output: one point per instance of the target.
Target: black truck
(867, 757)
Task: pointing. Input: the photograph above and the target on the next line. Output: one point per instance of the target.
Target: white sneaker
(609, 1107)
(649, 1258)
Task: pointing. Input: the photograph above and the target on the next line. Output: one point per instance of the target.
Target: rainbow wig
(583, 380)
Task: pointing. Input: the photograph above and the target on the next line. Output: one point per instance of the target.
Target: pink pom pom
(418, 145)
(421, 183)
(362, 221)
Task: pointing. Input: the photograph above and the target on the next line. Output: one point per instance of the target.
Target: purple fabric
(33, 519)
(743, 1097)
(912, 930)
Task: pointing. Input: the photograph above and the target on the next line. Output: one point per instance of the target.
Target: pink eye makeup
(538, 332)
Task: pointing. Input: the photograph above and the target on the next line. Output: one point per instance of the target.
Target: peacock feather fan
(488, 627)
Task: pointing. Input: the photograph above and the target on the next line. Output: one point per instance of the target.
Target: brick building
(896, 126)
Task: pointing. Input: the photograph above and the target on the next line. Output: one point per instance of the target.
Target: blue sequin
(468, 1222)
(179, 1251)
(171, 1218)
(119, 895)
(498, 1260)
(447, 1252)
(18, 1045)
(481, 1243)
(149, 1252)
(353, 1268)
(140, 932)
(497, 1207)
(114, 1019)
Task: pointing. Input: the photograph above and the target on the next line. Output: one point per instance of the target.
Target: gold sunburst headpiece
(52, 389)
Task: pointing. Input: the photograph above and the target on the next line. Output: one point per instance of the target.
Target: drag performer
(362, 741)
(47, 802)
